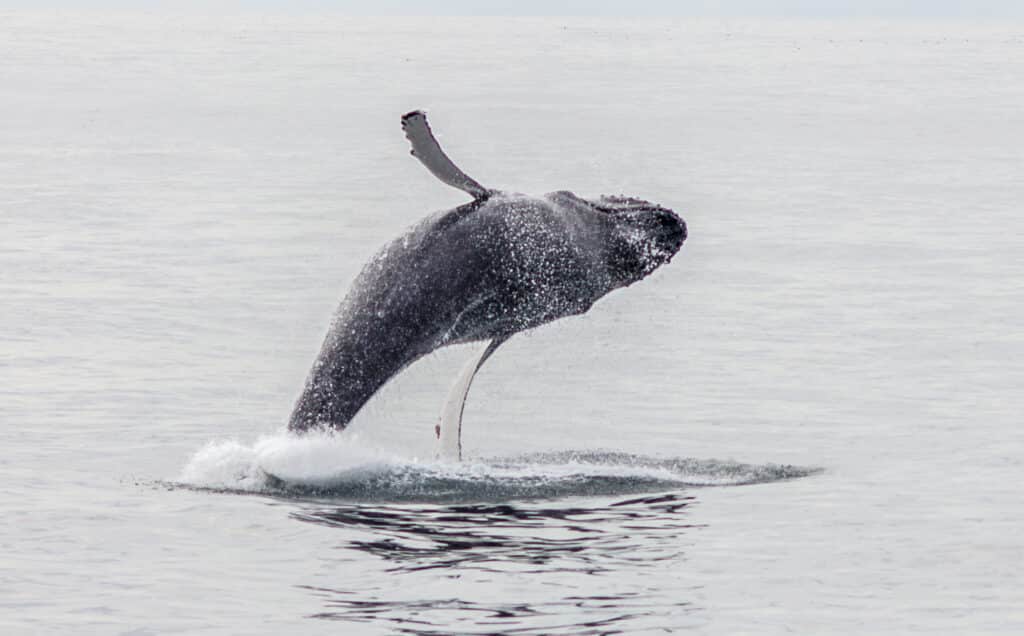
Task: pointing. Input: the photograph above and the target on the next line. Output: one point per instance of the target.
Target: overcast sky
(803, 8)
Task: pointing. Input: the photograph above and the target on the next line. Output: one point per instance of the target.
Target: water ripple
(491, 537)
(553, 543)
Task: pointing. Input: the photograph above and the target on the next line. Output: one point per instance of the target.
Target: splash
(342, 467)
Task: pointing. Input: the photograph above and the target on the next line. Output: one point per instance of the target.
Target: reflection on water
(490, 537)
(588, 569)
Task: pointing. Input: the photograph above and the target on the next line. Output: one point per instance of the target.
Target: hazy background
(733, 8)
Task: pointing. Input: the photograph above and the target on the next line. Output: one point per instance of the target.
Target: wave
(341, 467)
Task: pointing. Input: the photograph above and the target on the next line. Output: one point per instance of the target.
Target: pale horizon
(991, 9)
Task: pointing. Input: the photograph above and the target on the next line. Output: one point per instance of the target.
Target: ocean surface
(809, 422)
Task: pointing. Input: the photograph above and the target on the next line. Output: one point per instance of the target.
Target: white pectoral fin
(449, 426)
(428, 151)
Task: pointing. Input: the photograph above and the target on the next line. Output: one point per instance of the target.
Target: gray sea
(809, 422)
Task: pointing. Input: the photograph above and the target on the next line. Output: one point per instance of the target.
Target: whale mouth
(647, 236)
(667, 230)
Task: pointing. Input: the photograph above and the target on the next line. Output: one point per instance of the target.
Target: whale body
(481, 272)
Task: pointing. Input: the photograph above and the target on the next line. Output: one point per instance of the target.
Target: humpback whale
(481, 272)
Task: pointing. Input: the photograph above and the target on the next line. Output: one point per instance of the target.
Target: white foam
(308, 459)
(343, 465)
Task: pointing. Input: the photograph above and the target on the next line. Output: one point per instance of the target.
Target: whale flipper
(449, 426)
(428, 151)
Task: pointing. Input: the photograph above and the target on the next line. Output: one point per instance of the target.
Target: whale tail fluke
(428, 151)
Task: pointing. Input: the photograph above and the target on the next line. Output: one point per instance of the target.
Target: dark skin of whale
(485, 270)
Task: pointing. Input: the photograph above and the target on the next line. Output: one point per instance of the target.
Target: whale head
(644, 236)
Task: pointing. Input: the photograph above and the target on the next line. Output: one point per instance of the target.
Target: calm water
(809, 422)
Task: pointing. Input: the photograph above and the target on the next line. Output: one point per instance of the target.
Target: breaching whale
(481, 272)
